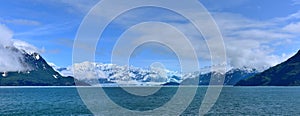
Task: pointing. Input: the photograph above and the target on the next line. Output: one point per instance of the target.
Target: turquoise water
(232, 101)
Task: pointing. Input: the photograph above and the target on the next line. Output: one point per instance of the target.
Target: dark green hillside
(284, 74)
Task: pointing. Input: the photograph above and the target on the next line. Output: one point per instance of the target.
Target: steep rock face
(284, 74)
(38, 73)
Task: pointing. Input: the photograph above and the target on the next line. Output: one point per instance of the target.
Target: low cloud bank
(11, 60)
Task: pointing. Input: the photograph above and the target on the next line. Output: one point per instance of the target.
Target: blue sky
(257, 33)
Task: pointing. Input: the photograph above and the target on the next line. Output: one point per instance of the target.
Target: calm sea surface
(232, 101)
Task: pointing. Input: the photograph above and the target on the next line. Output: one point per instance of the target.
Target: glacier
(113, 74)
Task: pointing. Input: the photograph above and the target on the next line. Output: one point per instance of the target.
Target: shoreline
(6, 87)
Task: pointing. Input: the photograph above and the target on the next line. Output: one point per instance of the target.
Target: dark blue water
(232, 101)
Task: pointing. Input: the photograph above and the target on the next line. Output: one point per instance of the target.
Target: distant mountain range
(284, 74)
(124, 75)
(39, 73)
(231, 77)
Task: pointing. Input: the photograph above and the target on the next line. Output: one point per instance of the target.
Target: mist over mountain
(285, 74)
(31, 70)
(39, 73)
(22, 65)
(12, 51)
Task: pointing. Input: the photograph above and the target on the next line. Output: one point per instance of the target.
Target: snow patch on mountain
(24, 46)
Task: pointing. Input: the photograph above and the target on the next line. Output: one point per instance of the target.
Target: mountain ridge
(113, 73)
(37, 73)
(286, 73)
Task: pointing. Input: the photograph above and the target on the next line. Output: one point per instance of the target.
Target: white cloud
(221, 5)
(296, 2)
(72, 6)
(252, 43)
(293, 28)
(5, 35)
(252, 53)
(248, 42)
(20, 22)
(10, 59)
(81, 6)
(46, 30)
(287, 18)
(21, 45)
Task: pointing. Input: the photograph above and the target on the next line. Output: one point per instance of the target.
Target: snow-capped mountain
(129, 75)
(235, 75)
(231, 77)
(113, 73)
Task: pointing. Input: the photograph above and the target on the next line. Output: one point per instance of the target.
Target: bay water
(232, 101)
